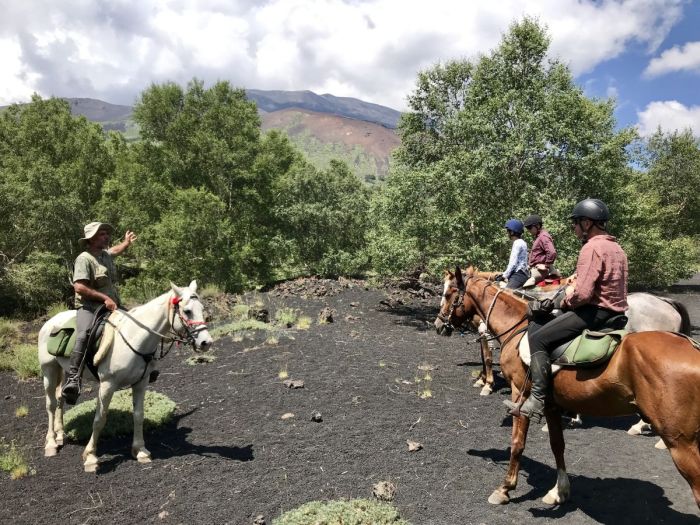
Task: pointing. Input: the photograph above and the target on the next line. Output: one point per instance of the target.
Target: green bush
(9, 332)
(353, 512)
(158, 411)
(12, 460)
(38, 282)
(22, 359)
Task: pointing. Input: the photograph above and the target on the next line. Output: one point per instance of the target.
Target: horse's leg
(638, 428)
(481, 380)
(104, 398)
(487, 358)
(562, 490)
(686, 456)
(138, 446)
(58, 419)
(517, 446)
(51, 373)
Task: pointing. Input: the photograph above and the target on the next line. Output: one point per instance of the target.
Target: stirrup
(515, 409)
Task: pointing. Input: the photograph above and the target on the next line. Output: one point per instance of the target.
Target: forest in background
(213, 198)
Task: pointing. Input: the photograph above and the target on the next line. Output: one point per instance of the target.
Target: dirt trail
(379, 376)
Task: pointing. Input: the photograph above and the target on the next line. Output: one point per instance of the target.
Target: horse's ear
(193, 286)
(460, 279)
(176, 289)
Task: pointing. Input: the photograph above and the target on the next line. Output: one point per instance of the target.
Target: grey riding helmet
(532, 220)
(593, 209)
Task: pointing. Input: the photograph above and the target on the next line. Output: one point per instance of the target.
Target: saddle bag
(62, 340)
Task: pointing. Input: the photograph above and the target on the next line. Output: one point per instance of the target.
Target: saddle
(591, 348)
(62, 339)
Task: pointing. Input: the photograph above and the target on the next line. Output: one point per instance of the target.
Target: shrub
(158, 411)
(353, 512)
(9, 332)
(285, 317)
(23, 360)
(12, 460)
(37, 282)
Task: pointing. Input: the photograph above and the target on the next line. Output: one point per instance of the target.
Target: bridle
(190, 327)
(458, 301)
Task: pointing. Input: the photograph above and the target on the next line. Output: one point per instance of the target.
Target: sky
(644, 53)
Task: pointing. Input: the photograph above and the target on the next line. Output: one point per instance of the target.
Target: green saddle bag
(62, 340)
(591, 348)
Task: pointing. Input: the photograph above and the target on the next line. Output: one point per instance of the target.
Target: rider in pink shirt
(600, 293)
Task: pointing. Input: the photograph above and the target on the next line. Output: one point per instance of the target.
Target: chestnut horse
(645, 364)
(485, 379)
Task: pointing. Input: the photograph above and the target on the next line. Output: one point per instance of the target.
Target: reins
(172, 336)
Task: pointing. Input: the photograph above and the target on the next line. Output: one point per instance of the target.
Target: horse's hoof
(660, 445)
(142, 456)
(59, 440)
(90, 465)
(498, 497)
(635, 430)
(50, 452)
(554, 498)
(545, 428)
(575, 422)
(486, 390)
(478, 383)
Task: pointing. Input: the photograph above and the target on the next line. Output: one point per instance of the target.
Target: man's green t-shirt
(101, 275)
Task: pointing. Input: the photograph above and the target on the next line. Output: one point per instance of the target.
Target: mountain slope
(366, 147)
(343, 106)
(322, 126)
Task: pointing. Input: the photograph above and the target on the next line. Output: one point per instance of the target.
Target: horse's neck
(154, 315)
(503, 312)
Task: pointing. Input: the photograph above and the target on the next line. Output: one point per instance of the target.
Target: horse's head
(456, 308)
(188, 317)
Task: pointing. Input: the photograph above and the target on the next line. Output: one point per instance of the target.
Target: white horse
(125, 358)
(648, 312)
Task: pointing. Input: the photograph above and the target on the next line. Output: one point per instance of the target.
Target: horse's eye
(188, 311)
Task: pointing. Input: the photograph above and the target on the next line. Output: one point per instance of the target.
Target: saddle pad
(591, 348)
(62, 339)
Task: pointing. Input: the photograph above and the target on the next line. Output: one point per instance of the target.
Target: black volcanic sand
(228, 456)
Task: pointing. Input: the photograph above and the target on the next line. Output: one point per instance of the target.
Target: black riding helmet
(532, 220)
(593, 209)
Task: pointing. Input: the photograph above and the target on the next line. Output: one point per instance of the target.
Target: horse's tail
(105, 343)
(683, 312)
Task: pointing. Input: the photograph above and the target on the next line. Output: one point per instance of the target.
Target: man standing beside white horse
(94, 282)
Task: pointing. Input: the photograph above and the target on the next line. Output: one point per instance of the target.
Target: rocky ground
(244, 444)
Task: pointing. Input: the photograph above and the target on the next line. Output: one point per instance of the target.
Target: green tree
(324, 219)
(505, 136)
(662, 231)
(52, 168)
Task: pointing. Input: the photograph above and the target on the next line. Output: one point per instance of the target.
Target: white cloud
(370, 49)
(669, 115)
(685, 58)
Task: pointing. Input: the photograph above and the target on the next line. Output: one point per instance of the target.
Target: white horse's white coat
(120, 367)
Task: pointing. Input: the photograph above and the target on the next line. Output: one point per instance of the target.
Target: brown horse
(644, 365)
(444, 327)
(485, 379)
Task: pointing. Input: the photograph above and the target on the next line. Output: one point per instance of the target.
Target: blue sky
(624, 76)
(646, 53)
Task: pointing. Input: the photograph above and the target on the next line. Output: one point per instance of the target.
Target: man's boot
(71, 385)
(533, 407)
